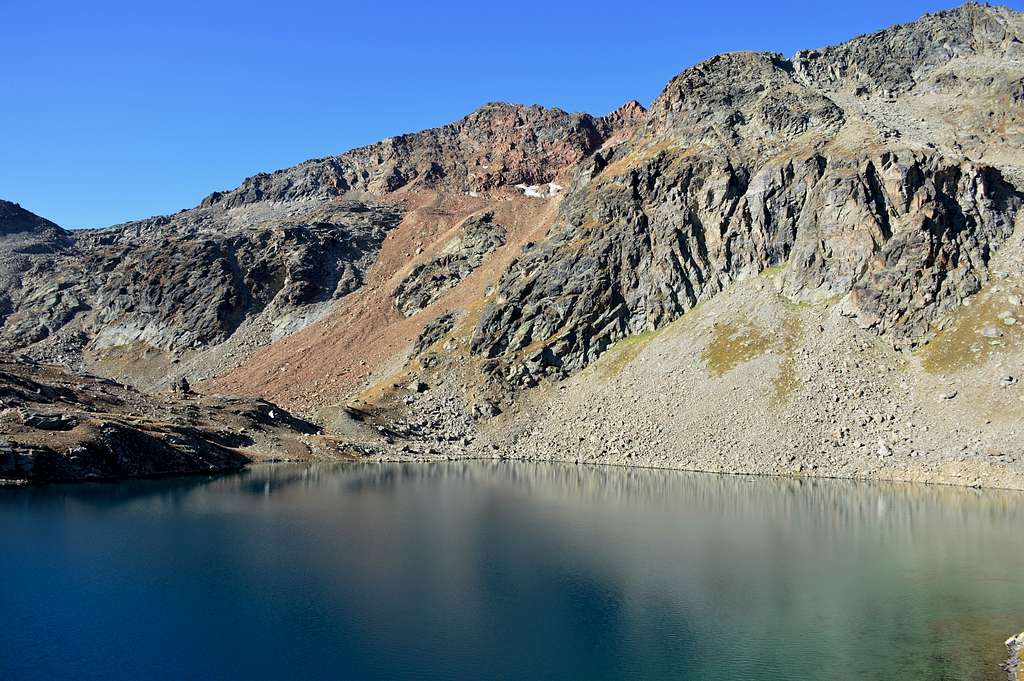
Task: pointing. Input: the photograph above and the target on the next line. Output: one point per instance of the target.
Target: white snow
(531, 190)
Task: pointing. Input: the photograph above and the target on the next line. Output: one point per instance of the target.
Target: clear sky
(113, 111)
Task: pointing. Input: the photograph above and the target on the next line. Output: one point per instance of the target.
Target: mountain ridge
(482, 287)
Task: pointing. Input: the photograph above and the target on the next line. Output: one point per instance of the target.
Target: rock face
(189, 281)
(1015, 665)
(434, 331)
(749, 161)
(426, 283)
(58, 426)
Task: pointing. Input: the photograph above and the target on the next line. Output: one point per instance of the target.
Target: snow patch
(540, 191)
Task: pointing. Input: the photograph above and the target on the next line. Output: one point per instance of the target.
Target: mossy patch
(636, 158)
(964, 343)
(785, 381)
(734, 344)
(625, 351)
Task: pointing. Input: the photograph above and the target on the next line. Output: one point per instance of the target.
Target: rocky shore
(1015, 663)
(57, 427)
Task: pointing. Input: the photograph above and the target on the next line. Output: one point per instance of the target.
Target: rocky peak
(498, 145)
(743, 101)
(620, 124)
(896, 58)
(15, 220)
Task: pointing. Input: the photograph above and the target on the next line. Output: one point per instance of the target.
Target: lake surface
(506, 571)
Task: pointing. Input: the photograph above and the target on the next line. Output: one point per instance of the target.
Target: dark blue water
(506, 571)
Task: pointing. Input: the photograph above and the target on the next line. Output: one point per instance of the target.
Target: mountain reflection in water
(507, 570)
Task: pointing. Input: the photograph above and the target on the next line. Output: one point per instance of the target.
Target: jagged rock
(1014, 666)
(34, 419)
(498, 145)
(741, 166)
(434, 331)
(485, 409)
(189, 281)
(897, 59)
(181, 387)
(426, 283)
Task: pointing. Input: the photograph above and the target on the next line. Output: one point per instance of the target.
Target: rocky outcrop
(57, 426)
(1014, 666)
(743, 164)
(24, 237)
(25, 232)
(428, 281)
(434, 331)
(897, 59)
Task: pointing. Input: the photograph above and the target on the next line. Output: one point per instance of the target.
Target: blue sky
(119, 110)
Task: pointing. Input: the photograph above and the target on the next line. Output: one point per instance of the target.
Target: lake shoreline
(1004, 480)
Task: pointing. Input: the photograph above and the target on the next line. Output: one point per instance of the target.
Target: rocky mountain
(210, 284)
(497, 146)
(805, 264)
(749, 161)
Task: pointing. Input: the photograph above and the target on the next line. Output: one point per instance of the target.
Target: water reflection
(510, 570)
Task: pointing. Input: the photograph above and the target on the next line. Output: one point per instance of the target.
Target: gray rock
(485, 409)
(1014, 665)
(733, 173)
(51, 421)
(434, 331)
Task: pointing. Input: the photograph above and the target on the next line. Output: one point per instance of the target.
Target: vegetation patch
(625, 351)
(785, 381)
(636, 158)
(732, 345)
(992, 324)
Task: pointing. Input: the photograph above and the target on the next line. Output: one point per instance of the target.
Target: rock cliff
(748, 162)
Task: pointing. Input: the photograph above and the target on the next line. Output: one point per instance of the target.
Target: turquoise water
(506, 571)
